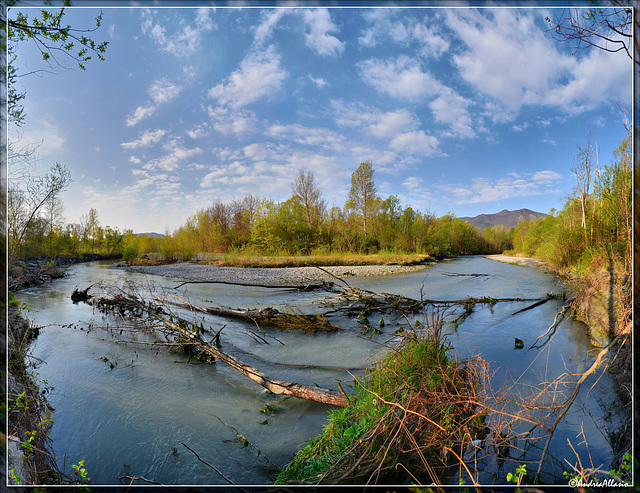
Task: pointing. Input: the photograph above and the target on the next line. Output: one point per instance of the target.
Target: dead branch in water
(265, 316)
(189, 334)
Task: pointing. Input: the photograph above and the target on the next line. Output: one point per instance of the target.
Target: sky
(461, 110)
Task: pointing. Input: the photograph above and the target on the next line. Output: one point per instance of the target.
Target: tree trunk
(280, 387)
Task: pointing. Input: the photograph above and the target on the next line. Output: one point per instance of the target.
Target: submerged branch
(189, 334)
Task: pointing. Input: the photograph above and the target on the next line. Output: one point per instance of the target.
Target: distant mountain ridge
(508, 219)
(150, 235)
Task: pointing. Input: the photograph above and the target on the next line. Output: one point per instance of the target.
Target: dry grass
(342, 259)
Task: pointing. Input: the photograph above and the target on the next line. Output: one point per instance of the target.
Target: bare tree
(585, 161)
(608, 28)
(309, 194)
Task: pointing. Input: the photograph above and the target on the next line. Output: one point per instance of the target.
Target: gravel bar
(285, 276)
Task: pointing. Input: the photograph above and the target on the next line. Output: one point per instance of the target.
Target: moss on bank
(407, 419)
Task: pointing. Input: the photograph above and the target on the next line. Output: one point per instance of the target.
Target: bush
(129, 253)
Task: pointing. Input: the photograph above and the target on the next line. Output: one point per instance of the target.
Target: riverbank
(26, 272)
(603, 303)
(29, 413)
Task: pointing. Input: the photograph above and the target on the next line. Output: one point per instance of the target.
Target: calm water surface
(133, 418)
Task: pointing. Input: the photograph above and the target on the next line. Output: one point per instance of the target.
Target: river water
(128, 410)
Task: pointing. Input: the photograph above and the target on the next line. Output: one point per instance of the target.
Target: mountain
(150, 235)
(506, 218)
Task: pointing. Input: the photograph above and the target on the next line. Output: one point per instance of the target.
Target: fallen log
(182, 330)
(265, 316)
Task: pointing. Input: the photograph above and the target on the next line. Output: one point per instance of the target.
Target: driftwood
(265, 316)
(190, 336)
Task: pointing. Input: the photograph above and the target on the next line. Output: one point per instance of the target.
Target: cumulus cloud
(259, 75)
(319, 24)
(400, 77)
(509, 59)
(451, 108)
(147, 138)
(264, 30)
(181, 43)
(416, 142)
(385, 26)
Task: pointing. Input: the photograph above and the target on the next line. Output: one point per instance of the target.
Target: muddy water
(127, 410)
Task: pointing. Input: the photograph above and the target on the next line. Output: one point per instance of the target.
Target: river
(127, 410)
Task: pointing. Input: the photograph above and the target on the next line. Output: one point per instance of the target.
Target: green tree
(25, 206)
(53, 38)
(362, 195)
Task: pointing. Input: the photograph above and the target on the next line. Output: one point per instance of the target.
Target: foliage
(405, 413)
(46, 29)
(81, 473)
(521, 472)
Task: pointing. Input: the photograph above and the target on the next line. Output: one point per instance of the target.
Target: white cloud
(183, 42)
(511, 60)
(485, 190)
(319, 22)
(146, 139)
(380, 124)
(226, 121)
(317, 137)
(451, 108)
(434, 44)
(545, 176)
(417, 143)
(161, 91)
(176, 153)
(259, 75)
(198, 131)
(384, 26)
(393, 123)
(264, 30)
(413, 184)
(318, 81)
(401, 78)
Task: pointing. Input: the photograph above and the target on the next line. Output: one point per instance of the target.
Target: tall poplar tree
(362, 195)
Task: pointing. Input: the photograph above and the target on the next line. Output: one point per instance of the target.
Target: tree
(586, 163)
(362, 194)
(309, 195)
(28, 203)
(609, 29)
(53, 39)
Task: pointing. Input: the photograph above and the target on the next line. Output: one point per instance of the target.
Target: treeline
(594, 228)
(304, 225)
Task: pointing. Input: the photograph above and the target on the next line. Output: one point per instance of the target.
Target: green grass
(410, 377)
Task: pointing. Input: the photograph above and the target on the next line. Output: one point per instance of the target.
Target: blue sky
(460, 110)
